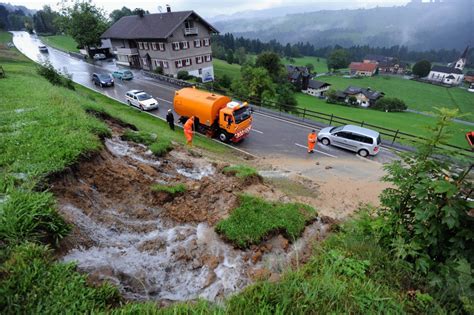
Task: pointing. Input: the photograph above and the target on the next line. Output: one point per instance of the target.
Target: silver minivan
(358, 139)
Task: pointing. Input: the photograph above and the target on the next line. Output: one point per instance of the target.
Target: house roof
(363, 66)
(445, 69)
(369, 93)
(464, 54)
(151, 26)
(317, 84)
(450, 77)
(470, 74)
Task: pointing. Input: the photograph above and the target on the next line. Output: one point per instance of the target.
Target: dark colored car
(102, 79)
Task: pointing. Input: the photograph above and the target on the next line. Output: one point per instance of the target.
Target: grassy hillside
(417, 95)
(62, 42)
(319, 66)
(221, 67)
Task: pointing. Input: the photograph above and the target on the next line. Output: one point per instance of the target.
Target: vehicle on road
(99, 57)
(123, 74)
(214, 115)
(102, 79)
(141, 99)
(358, 139)
(43, 48)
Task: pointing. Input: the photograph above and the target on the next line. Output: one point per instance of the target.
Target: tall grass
(255, 219)
(170, 189)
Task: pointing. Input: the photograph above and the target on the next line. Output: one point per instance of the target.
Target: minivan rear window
(379, 140)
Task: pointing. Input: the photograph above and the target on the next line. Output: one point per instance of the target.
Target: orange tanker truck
(214, 115)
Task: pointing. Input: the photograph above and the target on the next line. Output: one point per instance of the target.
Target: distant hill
(420, 26)
(13, 8)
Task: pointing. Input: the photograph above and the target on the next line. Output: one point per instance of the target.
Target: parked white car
(99, 57)
(358, 139)
(141, 99)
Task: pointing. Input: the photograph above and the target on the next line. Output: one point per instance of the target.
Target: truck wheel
(223, 136)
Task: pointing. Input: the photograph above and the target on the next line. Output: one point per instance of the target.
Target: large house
(366, 69)
(451, 74)
(365, 97)
(317, 88)
(298, 76)
(387, 64)
(174, 41)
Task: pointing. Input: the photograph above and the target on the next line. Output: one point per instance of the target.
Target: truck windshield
(241, 114)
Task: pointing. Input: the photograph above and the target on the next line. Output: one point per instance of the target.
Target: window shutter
(176, 63)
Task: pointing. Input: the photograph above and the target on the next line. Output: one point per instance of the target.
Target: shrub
(170, 189)
(55, 77)
(30, 216)
(352, 100)
(183, 75)
(422, 68)
(388, 104)
(32, 282)
(161, 147)
(255, 219)
(158, 70)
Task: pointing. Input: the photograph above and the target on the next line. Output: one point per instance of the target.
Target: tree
(183, 75)
(116, 15)
(389, 104)
(352, 100)
(310, 67)
(338, 59)
(241, 55)
(140, 12)
(255, 85)
(85, 24)
(229, 56)
(225, 81)
(422, 68)
(272, 63)
(44, 21)
(285, 97)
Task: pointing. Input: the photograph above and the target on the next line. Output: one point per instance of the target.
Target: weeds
(170, 189)
(242, 172)
(161, 147)
(55, 77)
(256, 219)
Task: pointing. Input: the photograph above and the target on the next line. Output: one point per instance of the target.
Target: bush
(162, 147)
(170, 189)
(422, 68)
(242, 172)
(158, 70)
(30, 216)
(139, 137)
(33, 283)
(183, 75)
(388, 104)
(55, 77)
(255, 219)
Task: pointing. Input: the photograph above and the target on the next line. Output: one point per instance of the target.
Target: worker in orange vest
(312, 139)
(188, 130)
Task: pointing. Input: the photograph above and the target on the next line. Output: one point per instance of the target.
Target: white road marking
(306, 147)
(257, 131)
(163, 100)
(287, 121)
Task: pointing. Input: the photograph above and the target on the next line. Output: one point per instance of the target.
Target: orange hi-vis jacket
(312, 139)
(188, 129)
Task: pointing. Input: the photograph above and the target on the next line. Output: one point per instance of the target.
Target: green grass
(139, 137)
(242, 172)
(61, 42)
(411, 123)
(170, 189)
(221, 67)
(255, 219)
(319, 66)
(417, 95)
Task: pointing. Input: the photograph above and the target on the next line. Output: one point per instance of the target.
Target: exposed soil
(157, 246)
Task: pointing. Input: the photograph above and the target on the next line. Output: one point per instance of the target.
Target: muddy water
(124, 238)
(167, 262)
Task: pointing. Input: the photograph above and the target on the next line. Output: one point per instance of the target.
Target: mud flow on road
(154, 247)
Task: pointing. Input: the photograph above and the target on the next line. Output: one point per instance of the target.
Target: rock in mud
(283, 242)
(275, 277)
(257, 256)
(211, 277)
(260, 274)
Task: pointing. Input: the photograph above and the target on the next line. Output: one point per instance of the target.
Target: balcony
(190, 31)
(126, 51)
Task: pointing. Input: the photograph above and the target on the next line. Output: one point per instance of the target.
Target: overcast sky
(205, 7)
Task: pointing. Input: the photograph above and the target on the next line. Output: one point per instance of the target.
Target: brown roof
(363, 66)
(151, 26)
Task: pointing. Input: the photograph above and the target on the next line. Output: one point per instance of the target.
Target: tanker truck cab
(215, 115)
(235, 122)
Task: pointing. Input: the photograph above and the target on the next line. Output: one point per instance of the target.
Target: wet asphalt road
(270, 137)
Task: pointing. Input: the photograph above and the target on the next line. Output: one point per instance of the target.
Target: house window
(206, 41)
(140, 45)
(208, 58)
(188, 24)
(184, 45)
(197, 43)
(176, 46)
(165, 65)
(161, 46)
(153, 46)
(199, 59)
(179, 63)
(187, 61)
(145, 46)
(157, 63)
(144, 62)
